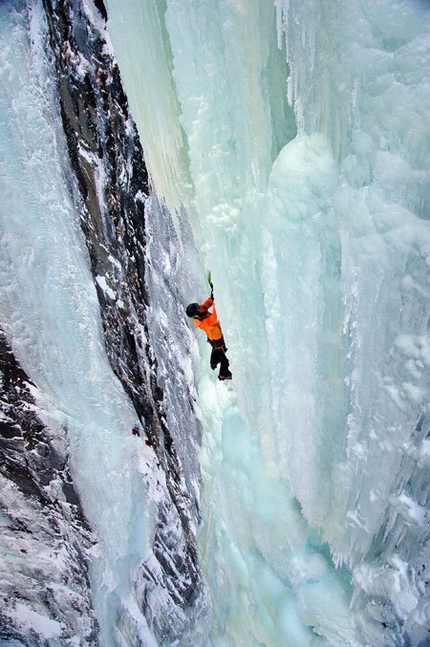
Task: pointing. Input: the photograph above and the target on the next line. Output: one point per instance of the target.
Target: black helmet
(193, 309)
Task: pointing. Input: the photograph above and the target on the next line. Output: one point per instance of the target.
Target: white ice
(319, 247)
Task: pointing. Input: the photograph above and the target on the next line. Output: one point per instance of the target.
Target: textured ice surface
(313, 218)
(319, 251)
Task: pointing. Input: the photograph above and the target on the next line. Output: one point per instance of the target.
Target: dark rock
(105, 151)
(45, 536)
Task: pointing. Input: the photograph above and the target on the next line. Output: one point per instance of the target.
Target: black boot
(227, 376)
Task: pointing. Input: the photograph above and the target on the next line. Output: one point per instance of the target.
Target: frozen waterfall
(297, 139)
(289, 143)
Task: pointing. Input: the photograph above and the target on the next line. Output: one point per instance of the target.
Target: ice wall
(370, 99)
(319, 251)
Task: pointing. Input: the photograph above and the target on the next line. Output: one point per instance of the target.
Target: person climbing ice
(208, 322)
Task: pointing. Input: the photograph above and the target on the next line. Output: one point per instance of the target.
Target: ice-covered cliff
(286, 148)
(74, 163)
(46, 541)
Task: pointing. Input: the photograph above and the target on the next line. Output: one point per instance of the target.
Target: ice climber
(208, 322)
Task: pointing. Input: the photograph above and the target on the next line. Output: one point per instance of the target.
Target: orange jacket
(210, 324)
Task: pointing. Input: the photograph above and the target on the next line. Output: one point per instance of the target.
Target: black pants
(218, 356)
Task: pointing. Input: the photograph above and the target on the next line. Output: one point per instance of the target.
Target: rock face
(110, 190)
(45, 537)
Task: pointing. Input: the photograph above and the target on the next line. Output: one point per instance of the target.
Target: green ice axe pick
(211, 284)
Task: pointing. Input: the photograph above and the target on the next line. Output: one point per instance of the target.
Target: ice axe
(211, 284)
